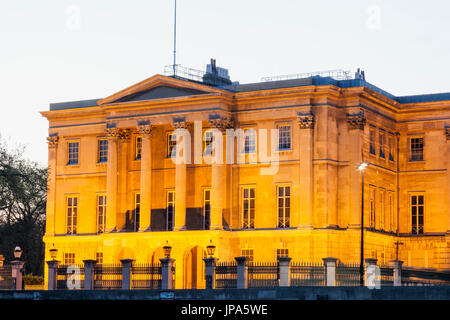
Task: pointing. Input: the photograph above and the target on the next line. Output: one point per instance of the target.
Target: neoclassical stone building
(115, 192)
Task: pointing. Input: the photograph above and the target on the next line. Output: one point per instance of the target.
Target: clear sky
(55, 51)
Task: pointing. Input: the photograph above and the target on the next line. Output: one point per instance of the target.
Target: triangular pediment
(159, 87)
(160, 92)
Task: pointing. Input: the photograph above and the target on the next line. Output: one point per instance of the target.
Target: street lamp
(210, 249)
(2, 259)
(53, 252)
(362, 166)
(17, 253)
(167, 249)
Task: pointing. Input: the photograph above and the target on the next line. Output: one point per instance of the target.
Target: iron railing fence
(386, 275)
(226, 275)
(307, 274)
(263, 275)
(146, 276)
(70, 277)
(5, 277)
(424, 277)
(347, 274)
(108, 276)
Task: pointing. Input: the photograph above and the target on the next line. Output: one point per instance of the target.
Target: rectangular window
(284, 137)
(138, 148)
(416, 149)
(382, 226)
(391, 148)
(101, 213)
(170, 205)
(69, 258)
(372, 141)
(206, 209)
(248, 208)
(391, 212)
(248, 253)
(102, 150)
(282, 253)
(73, 148)
(284, 206)
(137, 212)
(72, 211)
(207, 143)
(99, 257)
(381, 140)
(171, 145)
(417, 209)
(372, 209)
(249, 140)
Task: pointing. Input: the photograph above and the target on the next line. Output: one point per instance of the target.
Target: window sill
(416, 161)
(73, 165)
(284, 151)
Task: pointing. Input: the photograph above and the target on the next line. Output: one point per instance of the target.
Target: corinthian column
(111, 180)
(51, 185)
(146, 177)
(356, 123)
(122, 180)
(304, 218)
(217, 167)
(180, 179)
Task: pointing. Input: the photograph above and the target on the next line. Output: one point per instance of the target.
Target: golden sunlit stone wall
(330, 137)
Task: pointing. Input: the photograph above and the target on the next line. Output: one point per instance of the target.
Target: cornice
(175, 101)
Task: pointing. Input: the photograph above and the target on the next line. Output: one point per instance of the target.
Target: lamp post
(17, 269)
(17, 253)
(210, 249)
(167, 269)
(167, 249)
(52, 269)
(361, 168)
(210, 266)
(53, 252)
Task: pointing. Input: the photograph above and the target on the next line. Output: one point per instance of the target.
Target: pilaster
(51, 184)
(356, 123)
(304, 218)
(111, 179)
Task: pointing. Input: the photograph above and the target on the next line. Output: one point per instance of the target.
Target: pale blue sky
(47, 56)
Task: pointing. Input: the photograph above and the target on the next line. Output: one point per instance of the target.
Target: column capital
(145, 129)
(113, 132)
(221, 123)
(447, 133)
(305, 120)
(124, 134)
(180, 123)
(356, 120)
(52, 141)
